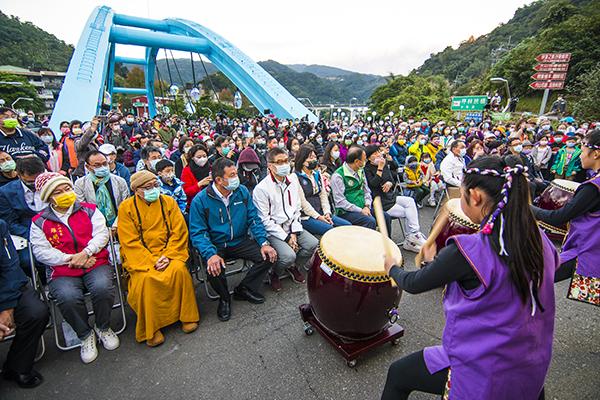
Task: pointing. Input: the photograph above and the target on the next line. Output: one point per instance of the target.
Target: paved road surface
(263, 353)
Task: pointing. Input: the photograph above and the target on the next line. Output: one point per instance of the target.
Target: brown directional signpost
(551, 74)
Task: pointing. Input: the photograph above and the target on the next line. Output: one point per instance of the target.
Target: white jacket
(278, 205)
(452, 169)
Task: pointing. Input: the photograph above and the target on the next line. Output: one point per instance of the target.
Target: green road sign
(468, 103)
(500, 116)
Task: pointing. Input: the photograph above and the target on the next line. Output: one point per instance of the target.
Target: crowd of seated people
(258, 189)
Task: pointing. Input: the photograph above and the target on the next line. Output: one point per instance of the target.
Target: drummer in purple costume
(499, 297)
(580, 256)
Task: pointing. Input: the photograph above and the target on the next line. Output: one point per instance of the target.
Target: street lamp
(330, 112)
(20, 98)
(391, 114)
(499, 81)
(308, 100)
(350, 102)
(401, 108)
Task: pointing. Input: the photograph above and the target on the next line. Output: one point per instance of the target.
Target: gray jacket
(84, 189)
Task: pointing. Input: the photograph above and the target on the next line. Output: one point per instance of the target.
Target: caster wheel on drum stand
(308, 329)
(395, 342)
(351, 363)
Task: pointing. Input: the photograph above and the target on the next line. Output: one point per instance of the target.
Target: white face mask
(335, 155)
(201, 161)
(463, 152)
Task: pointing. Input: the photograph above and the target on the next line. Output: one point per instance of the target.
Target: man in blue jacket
(19, 203)
(22, 313)
(220, 218)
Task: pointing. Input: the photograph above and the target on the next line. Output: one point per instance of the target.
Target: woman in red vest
(70, 238)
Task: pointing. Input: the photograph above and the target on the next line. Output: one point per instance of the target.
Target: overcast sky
(372, 36)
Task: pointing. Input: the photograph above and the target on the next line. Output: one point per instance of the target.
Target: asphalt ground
(263, 353)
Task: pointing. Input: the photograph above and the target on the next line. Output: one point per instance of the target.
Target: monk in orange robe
(154, 246)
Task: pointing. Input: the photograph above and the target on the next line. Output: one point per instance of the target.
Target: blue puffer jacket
(214, 226)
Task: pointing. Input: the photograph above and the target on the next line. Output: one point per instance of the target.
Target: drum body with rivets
(348, 289)
(458, 223)
(555, 196)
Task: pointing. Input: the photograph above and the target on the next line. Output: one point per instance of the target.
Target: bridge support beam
(138, 37)
(130, 60)
(140, 22)
(134, 91)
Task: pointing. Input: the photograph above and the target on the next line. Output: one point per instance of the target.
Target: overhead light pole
(500, 81)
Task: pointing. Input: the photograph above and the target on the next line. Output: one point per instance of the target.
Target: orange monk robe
(159, 298)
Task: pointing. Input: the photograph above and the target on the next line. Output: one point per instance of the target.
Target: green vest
(353, 188)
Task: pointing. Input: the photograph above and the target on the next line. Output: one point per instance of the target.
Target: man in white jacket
(277, 200)
(452, 167)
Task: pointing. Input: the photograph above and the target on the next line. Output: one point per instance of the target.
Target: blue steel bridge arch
(91, 69)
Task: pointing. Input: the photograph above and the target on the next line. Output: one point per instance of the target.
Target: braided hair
(510, 224)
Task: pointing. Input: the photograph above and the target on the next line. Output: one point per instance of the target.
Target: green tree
(585, 93)
(421, 96)
(10, 92)
(135, 78)
(558, 12)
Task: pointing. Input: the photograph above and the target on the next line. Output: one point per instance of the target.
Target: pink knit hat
(46, 182)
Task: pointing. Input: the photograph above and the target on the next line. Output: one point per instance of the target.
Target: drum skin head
(569, 186)
(456, 214)
(357, 249)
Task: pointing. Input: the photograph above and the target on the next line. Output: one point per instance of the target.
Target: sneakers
(414, 242)
(431, 202)
(89, 351)
(109, 339)
(296, 275)
(419, 238)
(275, 282)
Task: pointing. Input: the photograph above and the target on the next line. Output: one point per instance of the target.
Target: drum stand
(350, 350)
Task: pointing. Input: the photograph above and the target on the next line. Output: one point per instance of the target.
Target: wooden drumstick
(378, 209)
(438, 225)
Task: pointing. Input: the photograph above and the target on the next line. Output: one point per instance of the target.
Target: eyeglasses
(149, 186)
(104, 164)
(281, 162)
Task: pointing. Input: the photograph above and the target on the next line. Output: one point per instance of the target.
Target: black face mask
(312, 164)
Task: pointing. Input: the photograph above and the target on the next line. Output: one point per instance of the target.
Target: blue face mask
(151, 195)
(101, 172)
(283, 170)
(232, 184)
(153, 164)
(570, 144)
(226, 150)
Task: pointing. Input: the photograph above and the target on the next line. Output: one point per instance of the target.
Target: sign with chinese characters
(468, 103)
(554, 57)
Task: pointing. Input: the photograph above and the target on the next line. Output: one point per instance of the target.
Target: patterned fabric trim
(446, 394)
(585, 289)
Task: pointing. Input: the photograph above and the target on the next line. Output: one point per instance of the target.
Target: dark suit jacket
(14, 210)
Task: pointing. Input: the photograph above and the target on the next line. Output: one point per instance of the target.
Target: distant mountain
(24, 45)
(320, 83)
(509, 50)
(322, 71)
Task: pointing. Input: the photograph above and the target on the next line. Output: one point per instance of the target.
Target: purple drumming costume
(583, 243)
(496, 346)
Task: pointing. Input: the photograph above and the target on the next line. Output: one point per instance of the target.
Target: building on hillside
(47, 83)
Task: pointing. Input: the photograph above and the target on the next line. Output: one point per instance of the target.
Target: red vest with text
(70, 239)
